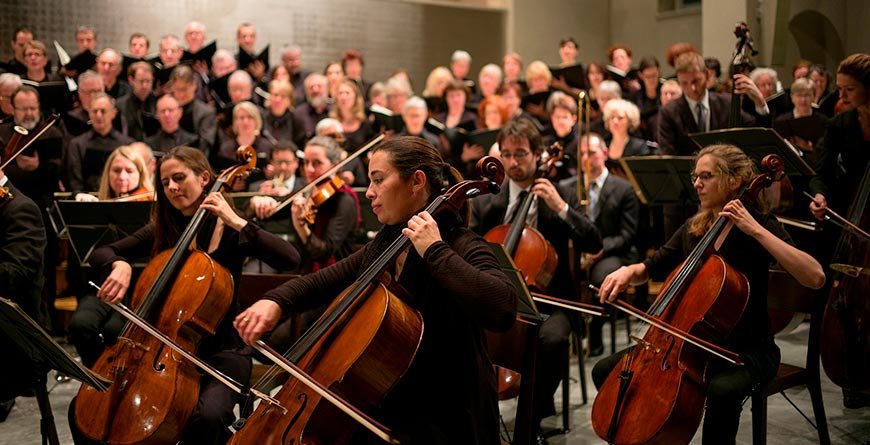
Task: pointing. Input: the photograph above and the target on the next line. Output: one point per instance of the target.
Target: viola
(325, 189)
(359, 348)
(663, 380)
(179, 300)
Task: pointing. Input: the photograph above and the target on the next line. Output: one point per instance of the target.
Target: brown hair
(732, 164)
(410, 153)
(615, 47)
(858, 67)
(678, 49)
(168, 221)
(496, 100)
(521, 129)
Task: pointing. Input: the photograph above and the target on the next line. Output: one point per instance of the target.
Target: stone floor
(785, 424)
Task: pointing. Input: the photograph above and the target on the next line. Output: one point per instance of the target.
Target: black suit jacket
(164, 142)
(200, 119)
(488, 211)
(22, 246)
(676, 121)
(618, 209)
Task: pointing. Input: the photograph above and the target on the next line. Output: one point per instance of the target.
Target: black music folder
(809, 128)
(758, 142)
(54, 96)
(661, 179)
(93, 224)
(574, 75)
(82, 62)
(32, 339)
(204, 54)
(246, 59)
(525, 305)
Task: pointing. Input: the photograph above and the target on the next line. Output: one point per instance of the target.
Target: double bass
(663, 379)
(184, 295)
(359, 348)
(845, 333)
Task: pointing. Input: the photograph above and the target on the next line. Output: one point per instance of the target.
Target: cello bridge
(645, 344)
(135, 345)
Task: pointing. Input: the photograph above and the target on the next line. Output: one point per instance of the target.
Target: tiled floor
(785, 424)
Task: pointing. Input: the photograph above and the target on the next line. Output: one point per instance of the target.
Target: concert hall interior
(435, 222)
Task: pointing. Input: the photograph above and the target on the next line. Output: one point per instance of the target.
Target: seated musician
(750, 248)
(185, 176)
(614, 208)
(407, 173)
(124, 175)
(22, 241)
(327, 240)
(556, 213)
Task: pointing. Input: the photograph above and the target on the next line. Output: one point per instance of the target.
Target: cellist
(720, 172)
(556, 213)
(451, 277)
(185, 175)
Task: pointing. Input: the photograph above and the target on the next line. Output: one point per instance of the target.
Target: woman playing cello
(406, 173)
(185, 176)
(720, 172)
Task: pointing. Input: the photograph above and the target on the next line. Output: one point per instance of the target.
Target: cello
(663, 379)
(533, 254)
(845, 336)
(359, 348)
(184, 295)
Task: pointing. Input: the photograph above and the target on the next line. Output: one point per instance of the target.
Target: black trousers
(209, 423)
(552, 351)
(728, 388)
(93, 326)
(597, 273)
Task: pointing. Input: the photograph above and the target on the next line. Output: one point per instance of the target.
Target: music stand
(94, 224)
(28, 336)
(758, 142)
(661, 179)
(525, 305)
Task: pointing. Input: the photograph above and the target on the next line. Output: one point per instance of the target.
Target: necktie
(517, 204)
(593, 201)
(702, 117)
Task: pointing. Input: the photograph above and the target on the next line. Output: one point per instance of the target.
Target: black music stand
(93, 224)
(661, 179)
(525, 305)
(758, 142)
(28, 336)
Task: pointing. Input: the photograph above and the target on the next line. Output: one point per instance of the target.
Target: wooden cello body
(185, 295)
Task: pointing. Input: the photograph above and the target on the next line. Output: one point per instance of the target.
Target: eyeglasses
(522, 154)
(704, 177)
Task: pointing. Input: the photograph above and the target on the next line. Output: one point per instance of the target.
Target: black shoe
(5, 407)
(595, 351)
(539, 438)
(854, 399)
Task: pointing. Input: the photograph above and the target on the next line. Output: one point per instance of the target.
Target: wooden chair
(516, 350)
(785, 293)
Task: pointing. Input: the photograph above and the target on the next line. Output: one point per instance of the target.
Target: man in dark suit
(88, 152)
(138, 106)
(196, 117)
(556, 213)
(613, 206)
(22, 243)
(171, 135)
(699, 110)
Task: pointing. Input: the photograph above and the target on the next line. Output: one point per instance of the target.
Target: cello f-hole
(285, 437)
(665, 365)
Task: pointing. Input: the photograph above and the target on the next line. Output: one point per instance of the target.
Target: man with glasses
(137, 108)
(78, 120)
(556, 213)
(171, 135)
(109, 68)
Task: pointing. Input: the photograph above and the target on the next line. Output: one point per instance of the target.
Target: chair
(785, 293)
(516, 350)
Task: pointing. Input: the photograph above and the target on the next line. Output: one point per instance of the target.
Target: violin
(141, 194)
(533, 254)
(179, 300)
(359, 348)
(663, 379)
(323, 190)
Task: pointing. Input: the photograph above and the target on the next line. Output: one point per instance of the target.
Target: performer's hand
(256, 320)
(218, 206)
(263, 206)
(737, 213)
(423, 231)
(547, 192)
(471, 152)
(115, 287)
(28, 163)
(744, 85)
(818, 206)
(86, 197)
(613, 284)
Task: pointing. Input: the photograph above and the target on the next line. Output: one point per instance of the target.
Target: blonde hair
(252, 110)
(438, 75)
(625, 107)
(358, 112)
(538, 69)
(131, 154)
(732, 165)
(281, 87)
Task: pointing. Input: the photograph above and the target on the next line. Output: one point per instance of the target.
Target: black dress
(425, 407)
